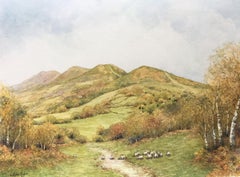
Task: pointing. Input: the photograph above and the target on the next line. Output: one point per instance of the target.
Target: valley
(92, 101)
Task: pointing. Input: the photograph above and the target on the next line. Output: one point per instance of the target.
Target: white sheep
(122, 157)
(111, 157)
(149, 156)
(140, 157)
(137, 154)
(102, 157)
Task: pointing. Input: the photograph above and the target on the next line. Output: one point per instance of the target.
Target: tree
(11, 114)
(224, 76)
(45, 134)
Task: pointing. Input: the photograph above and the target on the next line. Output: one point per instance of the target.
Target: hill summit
(40, 79)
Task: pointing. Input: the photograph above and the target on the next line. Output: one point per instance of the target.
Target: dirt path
(125, 168)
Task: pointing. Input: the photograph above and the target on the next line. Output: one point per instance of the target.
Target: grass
(181, 145)
(89, 126)
(84, 164)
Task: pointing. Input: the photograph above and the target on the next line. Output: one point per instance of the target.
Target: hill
(40, 79)
(73, 88)
(71, 73)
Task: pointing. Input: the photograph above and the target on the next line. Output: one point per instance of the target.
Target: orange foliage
(117, 131)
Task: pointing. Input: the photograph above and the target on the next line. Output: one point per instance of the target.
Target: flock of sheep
(141, 156)
(150, 155)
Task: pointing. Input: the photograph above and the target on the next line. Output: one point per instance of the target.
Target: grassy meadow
(182, 146)
(82, 162)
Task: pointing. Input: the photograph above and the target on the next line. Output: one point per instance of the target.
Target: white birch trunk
(205, 137)
(232, 140)
(227, 127)
(8, 136)
(214, 134)
(219, 123)
(15, 141)
(214, 137)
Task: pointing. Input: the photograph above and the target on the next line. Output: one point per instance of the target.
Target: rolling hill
(40, 79)
(78, 87)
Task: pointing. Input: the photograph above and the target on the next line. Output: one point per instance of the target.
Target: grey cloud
(174, 35)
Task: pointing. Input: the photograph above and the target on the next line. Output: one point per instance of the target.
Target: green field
(182, 147)
(85, 164)
(89, 126)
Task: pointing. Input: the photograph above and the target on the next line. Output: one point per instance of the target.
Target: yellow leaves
(5, 155)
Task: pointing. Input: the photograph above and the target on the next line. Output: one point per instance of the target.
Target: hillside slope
(77, 86)
(71, 73)
(40, 79)
(71, 89)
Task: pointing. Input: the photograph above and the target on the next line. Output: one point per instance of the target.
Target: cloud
(177, 36)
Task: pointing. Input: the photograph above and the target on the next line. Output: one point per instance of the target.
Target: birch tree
(224, 74)
(11, 114)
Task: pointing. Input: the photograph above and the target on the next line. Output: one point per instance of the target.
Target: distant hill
(66, 90)
(71, 73)
(40, 79)
(79, 86)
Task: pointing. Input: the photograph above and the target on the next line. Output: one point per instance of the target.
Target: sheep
(160, 154)
(168, 154)
(137, 154)
(146, 152)
(122, 157)
(102, 157)
(111, 157)
(152, 153)
(149, 156)
(156, 155)
(140, 157)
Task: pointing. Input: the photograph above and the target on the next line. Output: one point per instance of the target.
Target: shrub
(76, 115)
(52, 119)
(102, 131)
(88, 111)
(72, 133)
(117, 131)
(81, 139)
(98, 139)
(153, 126)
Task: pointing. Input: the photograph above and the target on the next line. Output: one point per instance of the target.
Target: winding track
(123, 167)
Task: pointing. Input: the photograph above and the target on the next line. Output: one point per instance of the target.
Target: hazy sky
(174, 35)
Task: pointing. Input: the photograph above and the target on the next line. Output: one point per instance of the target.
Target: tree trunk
(232, 140)
(214, 134)
(219, 123)
(8, 136)
(205, 136)
(15, 141)
(227, 127)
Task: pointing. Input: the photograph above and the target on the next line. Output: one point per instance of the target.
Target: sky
(174, 35)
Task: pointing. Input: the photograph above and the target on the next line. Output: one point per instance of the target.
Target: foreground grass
(84, 163)
(181, 145)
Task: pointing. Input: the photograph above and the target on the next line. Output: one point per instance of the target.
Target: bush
(81, 139)
(76, 115)
(153, 126)
(117, 131)
(98, 139)
(52, 119)
(72, 133)
(102, 131)
(88, 111)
